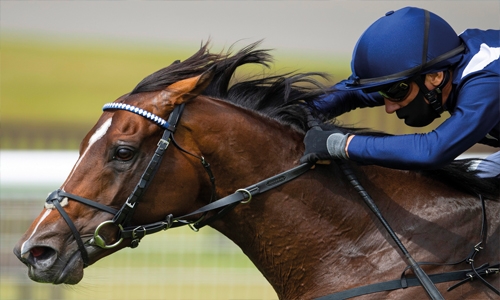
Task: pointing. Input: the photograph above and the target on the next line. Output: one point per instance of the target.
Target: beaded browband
(146, 114)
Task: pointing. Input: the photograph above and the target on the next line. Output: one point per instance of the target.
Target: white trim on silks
(480, 60)
(488, 167)
(141, 112)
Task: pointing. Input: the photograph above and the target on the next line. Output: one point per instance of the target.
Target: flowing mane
(275, 96)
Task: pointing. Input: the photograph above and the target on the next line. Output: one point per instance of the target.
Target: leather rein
(123, 216)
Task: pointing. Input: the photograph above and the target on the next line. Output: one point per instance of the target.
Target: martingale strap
(423, 279)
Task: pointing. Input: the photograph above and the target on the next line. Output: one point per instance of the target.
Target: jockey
(413, 62)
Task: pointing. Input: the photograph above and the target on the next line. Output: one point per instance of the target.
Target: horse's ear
(186, 89)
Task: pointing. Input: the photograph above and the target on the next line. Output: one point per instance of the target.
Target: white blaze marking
(45, 214)
(98, 134)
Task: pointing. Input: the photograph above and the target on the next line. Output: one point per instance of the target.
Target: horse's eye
(124, 154)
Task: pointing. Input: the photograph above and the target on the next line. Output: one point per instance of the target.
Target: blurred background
(60, 61)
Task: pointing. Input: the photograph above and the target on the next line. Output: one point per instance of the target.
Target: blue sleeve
(476, 113)
(338, 102)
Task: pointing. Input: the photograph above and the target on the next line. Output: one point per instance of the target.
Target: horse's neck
(307, 232)
(284, 224)
(291, 232)
(302, 234)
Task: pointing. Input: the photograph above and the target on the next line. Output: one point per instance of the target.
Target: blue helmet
(400, 45)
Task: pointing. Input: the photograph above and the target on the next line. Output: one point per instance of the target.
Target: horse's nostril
(37, 251)
(41, 255)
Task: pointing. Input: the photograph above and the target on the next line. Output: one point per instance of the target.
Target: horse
(206, 148)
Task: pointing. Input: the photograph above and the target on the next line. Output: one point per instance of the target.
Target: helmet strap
(435, 96)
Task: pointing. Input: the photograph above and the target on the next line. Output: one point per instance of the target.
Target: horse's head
(95, 212)
(128, 182)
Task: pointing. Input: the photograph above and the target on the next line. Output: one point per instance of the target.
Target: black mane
(280, 97)
(285, 98)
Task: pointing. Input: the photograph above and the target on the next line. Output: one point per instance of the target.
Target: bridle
(123, 216)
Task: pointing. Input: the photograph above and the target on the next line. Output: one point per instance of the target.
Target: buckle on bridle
(139, 234)
(163, 144)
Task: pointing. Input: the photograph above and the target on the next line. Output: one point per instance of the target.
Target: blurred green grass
(57, 82)
(55, 88)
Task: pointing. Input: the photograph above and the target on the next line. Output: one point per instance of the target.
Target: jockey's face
(431, 81)
(392, 106)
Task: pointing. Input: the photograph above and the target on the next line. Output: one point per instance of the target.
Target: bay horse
(309, 233)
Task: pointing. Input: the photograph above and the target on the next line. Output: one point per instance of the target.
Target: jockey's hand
(324, 145)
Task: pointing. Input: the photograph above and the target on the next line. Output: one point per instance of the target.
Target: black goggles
(397, 91)
(394, 92)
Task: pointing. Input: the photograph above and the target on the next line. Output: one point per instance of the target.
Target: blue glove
(324, 145)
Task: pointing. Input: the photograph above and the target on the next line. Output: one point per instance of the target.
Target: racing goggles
(397, 91)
